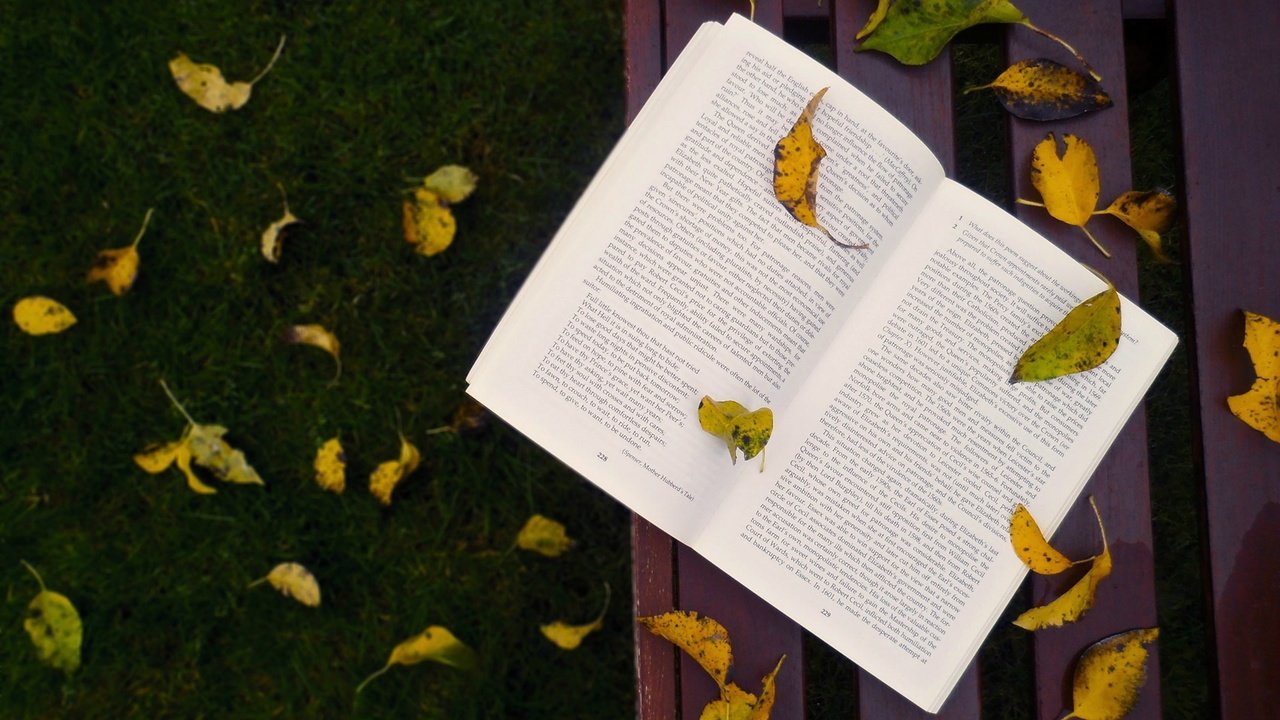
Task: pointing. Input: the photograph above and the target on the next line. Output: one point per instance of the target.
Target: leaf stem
(145, 221)
(267, 69)
(175, 402)
(608, 594)
(1032, 203)
(32, 570)
(1101, 529)
(752, 16)
(1092, 73)
(371, 677)
(1095, 241)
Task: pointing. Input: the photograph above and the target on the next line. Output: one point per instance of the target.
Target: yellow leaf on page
(1030, 546)
(795, 169)
(736, 426)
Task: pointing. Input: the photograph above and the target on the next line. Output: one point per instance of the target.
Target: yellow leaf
(1150, 213)
(795, 169)
(388, 475)
(157, 458)
(183, 459)
(205, 84)
(295, 581)
(38, 315)
(734, 703)
(1042, 89)
(428, 223)
(738, 428)
(118, 268)
(1259, 408)
(1109, 675)
(316, 336)
(271, 247)
(1074, 603)
(452, 183)
(54, 626)
(435, 644)
(1068, 184)
(704, 639)
(210, 451)
(569, 637)
(877, 16)
(1031, 547)
(543, 536)
(768, 693)
(331, 466)
(1082, 340)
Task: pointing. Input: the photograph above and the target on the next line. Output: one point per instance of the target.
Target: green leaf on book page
(1083, 340)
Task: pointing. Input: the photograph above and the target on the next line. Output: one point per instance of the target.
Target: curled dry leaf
(388, 475)
(569, 637)
(39, 315)
(1081, 341)
(205, 84)
(877, 17)
(768, 694)
(118, 267)
(54, 626)
(295, 581)
(1042, 89)
(738, 428)
(317, 336)
(1075, 602)
(469, 416)
(1109, 675)
(702, 638)
(543, 536)
(331, 466)
(1150, 213)
(435, 644)
(1031, 547)
(1259, 408)
(204, 445)
(795, 169)
(271, 240)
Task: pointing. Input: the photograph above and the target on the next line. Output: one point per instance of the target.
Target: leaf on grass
(738, 428)
(877, 17)
(1031, 547)
(435, 644)
(157, 458)
(388, 475)
(205, 84)
(1259, 408)
(915, 31)
(702, 638)
(569, 637)
(1150, 213)
(452, 183)
(54, 626)
(118, 267)
(204, 445)
(1082, 340)
(316, 336)
(38, 315)
(1109, 675)
(429, 224)
(271, 240)
(1042, 89)
(795, 169)
(295, 581)
(331, 466)
(543, 536)
(1075, 602)
(469, 416)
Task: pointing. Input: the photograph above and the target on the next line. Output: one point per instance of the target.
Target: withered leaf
(1259, 408)
(1081, 341)
(1109, 675)
(118, 267)
(1042, 89)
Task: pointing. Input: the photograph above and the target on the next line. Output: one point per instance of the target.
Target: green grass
(364, 97)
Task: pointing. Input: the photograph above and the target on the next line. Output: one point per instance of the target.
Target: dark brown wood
(683, 17)
(1127, 598)
(642, 59)
(1231, 200)
(653, 586)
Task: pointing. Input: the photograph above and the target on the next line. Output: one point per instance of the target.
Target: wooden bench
(1230, 194)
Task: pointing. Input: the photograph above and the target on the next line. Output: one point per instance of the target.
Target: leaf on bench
(1031, 547)
(704, 639)
(1150, 213)
(1109, 675)
(1075, 602)
(1042, 89)
(1259, 408)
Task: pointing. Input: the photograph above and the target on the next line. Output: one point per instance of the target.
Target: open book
(880, 520)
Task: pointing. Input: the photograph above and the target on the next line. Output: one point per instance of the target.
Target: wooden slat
(1231, 196)
(683, 17)
(1126, 600)
(642, 57)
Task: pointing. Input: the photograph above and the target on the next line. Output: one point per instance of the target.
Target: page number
(826, 612)
(602, 457)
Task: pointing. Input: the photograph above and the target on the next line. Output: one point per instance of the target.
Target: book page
(679, 275)
(884, 527)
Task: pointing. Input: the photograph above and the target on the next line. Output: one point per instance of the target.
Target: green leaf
(915, 31)
(1083, 340)
(54, 627)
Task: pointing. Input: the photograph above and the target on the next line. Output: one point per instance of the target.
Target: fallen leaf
(118, 267)
(1082, 340)
(316, 336)
(795, 169)
(1150, 213)
(738, 428)
(569, 637)
(38, 315)
(877, 17)
(543, 536)
(204, 445)
(271, 246)
(1069, 184)
(1109, 675)
(1042, 89)
(429, 224)
(331, 466)
(451, 183)
(469, 416)
(1075, 602)
(1031, 547)
(54, 626)
(295, 581)
(703, 639)
(768, 694)
(388, 475)
(205, 84)
(1259, 408)
(435, 644)
(734, 703)
(157, 458)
